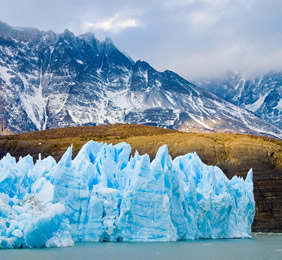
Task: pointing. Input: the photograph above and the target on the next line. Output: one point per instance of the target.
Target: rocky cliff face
(259, 94)
(50, 80)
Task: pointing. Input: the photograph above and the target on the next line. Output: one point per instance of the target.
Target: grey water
(261, 246)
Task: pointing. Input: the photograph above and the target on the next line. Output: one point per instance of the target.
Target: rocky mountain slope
(261, 94)
(50, 80)
(235, 154)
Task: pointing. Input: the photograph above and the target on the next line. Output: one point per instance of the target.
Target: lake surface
(261, 246)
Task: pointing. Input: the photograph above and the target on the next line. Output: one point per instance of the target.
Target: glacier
(106, 194)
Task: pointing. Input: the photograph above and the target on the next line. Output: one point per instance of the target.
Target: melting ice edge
(106, 195)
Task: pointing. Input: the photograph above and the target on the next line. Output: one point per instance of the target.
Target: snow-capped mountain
(50, 80)
(261, 94)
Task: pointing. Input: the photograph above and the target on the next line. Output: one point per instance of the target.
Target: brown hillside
(235, 154)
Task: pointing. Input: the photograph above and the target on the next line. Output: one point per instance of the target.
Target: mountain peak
(19, 33)
(88, 36)
(109, 41)
(4, 25)
(5, 29)
(67, 34)
(139, 64)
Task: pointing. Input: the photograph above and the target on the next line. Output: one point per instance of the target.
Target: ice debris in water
(106, 195)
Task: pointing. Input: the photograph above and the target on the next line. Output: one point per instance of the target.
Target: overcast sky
(194, 38)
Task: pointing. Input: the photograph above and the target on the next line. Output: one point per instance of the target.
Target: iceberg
(106, 194)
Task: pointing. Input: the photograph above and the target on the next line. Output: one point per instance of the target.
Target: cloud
(207, 12)
(195, 38)
(202, 18)
(115, 24)
(245, 57)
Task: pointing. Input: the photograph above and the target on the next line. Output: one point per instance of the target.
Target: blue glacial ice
(104, 194)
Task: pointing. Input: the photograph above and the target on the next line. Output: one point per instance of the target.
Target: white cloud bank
(115, 24)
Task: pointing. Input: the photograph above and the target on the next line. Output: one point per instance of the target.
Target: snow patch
(279, 105)
(4, 72)
(79, 61)
(34, 106)
(8, 52)
(200, 121)
(256, 105)
(239, 94)
(34, 103)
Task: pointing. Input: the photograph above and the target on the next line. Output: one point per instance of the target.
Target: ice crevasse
(104, 194)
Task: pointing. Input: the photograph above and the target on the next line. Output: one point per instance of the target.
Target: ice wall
(106, 195)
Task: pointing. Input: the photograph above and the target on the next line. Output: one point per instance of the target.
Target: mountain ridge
(261, 94)
(56, 80)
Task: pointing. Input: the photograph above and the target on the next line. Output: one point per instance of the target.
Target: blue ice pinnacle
(106, 195)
